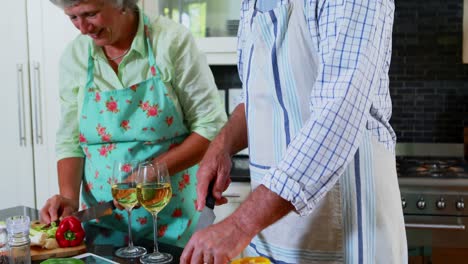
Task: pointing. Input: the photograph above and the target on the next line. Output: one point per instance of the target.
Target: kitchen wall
(429, 83)
(428, 80)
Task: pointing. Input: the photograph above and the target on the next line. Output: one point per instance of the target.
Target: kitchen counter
(100, 241)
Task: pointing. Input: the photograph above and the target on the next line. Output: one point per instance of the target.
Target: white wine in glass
(154, 192)
(124, 192)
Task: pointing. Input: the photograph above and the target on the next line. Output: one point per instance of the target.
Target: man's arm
(261, 209)
(222, 242)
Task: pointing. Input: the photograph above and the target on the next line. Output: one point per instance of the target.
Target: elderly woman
(132, 88)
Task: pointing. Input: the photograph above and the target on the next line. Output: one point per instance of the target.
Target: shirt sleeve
(195, 87)
(67, 141)
(347, 36)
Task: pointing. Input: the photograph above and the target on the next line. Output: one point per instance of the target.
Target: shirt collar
(138, 43)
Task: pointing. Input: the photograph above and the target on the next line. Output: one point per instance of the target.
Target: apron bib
(350, 224)
(139, 122)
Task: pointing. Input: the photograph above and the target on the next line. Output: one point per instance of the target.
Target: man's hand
(216, 244)
(215, 166)
(221, 242)
(57, 206)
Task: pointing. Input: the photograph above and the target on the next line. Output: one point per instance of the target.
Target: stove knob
(440, 204)
(421, 204)
(460, 205)
(403, 203)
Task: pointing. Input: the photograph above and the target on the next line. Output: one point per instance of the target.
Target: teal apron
(139, 122)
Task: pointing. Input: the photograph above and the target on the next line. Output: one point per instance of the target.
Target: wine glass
(154, 192)
(124, 192)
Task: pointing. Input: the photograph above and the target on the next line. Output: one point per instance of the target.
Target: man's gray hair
(130, 4)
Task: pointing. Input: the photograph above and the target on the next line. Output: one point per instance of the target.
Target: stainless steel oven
(434, 196)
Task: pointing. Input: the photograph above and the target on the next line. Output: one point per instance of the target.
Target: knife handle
(210, 200)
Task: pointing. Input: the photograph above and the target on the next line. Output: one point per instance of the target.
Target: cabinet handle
(37, 103)
(231, 195)
(21, 114)
(434, 226)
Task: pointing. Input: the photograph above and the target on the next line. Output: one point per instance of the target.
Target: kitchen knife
(207, 216)
(96, 211)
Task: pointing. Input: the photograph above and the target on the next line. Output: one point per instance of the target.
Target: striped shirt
(352, 40)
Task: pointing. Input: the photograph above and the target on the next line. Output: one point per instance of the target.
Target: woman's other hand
(56, 207)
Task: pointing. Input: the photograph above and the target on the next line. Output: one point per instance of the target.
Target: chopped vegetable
(52, 230)
(70, 233)
(38, 238)
(51, 243)
(41, 235)
(49, 229)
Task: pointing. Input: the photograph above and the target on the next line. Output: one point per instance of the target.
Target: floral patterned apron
(139, 122)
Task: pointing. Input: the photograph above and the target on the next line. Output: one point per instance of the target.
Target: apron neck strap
(90, 77)
(151, 58)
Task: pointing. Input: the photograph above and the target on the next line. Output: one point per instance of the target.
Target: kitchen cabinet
(35, 32)
(214, 24)
(418, 260)
(236, 193)
(449, 255)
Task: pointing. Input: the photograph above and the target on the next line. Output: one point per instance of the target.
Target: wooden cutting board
(38, 253)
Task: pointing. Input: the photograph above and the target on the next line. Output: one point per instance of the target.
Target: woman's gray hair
(130, 4)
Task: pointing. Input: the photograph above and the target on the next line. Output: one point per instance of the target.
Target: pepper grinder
(18, 239)
(4, 250)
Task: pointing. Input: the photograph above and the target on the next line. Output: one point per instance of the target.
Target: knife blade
(207, 215)
(96, 211)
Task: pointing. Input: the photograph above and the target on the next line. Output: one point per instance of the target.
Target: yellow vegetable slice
(251, 260)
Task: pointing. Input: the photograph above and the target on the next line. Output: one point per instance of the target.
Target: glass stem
(155, 232)
(130, 239)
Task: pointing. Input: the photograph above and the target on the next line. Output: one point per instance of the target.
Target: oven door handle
(434, 226)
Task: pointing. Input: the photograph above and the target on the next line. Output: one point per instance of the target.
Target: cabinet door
(214, 24)
(236, 193)
(449, 255)
(16, 176)
(50, 31)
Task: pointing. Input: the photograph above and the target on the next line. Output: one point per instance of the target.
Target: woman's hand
(57, 206)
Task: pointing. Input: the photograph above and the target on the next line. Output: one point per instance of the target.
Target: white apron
(360, 219)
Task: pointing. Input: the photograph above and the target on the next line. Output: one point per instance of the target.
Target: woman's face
(98, 19)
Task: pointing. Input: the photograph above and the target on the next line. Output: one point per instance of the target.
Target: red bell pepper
(70, 233)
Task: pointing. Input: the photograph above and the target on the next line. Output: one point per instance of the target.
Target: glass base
(156, 257)
(130, 252)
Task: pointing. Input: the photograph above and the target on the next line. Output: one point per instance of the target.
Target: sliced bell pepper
(69, 233)
(251, 260)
